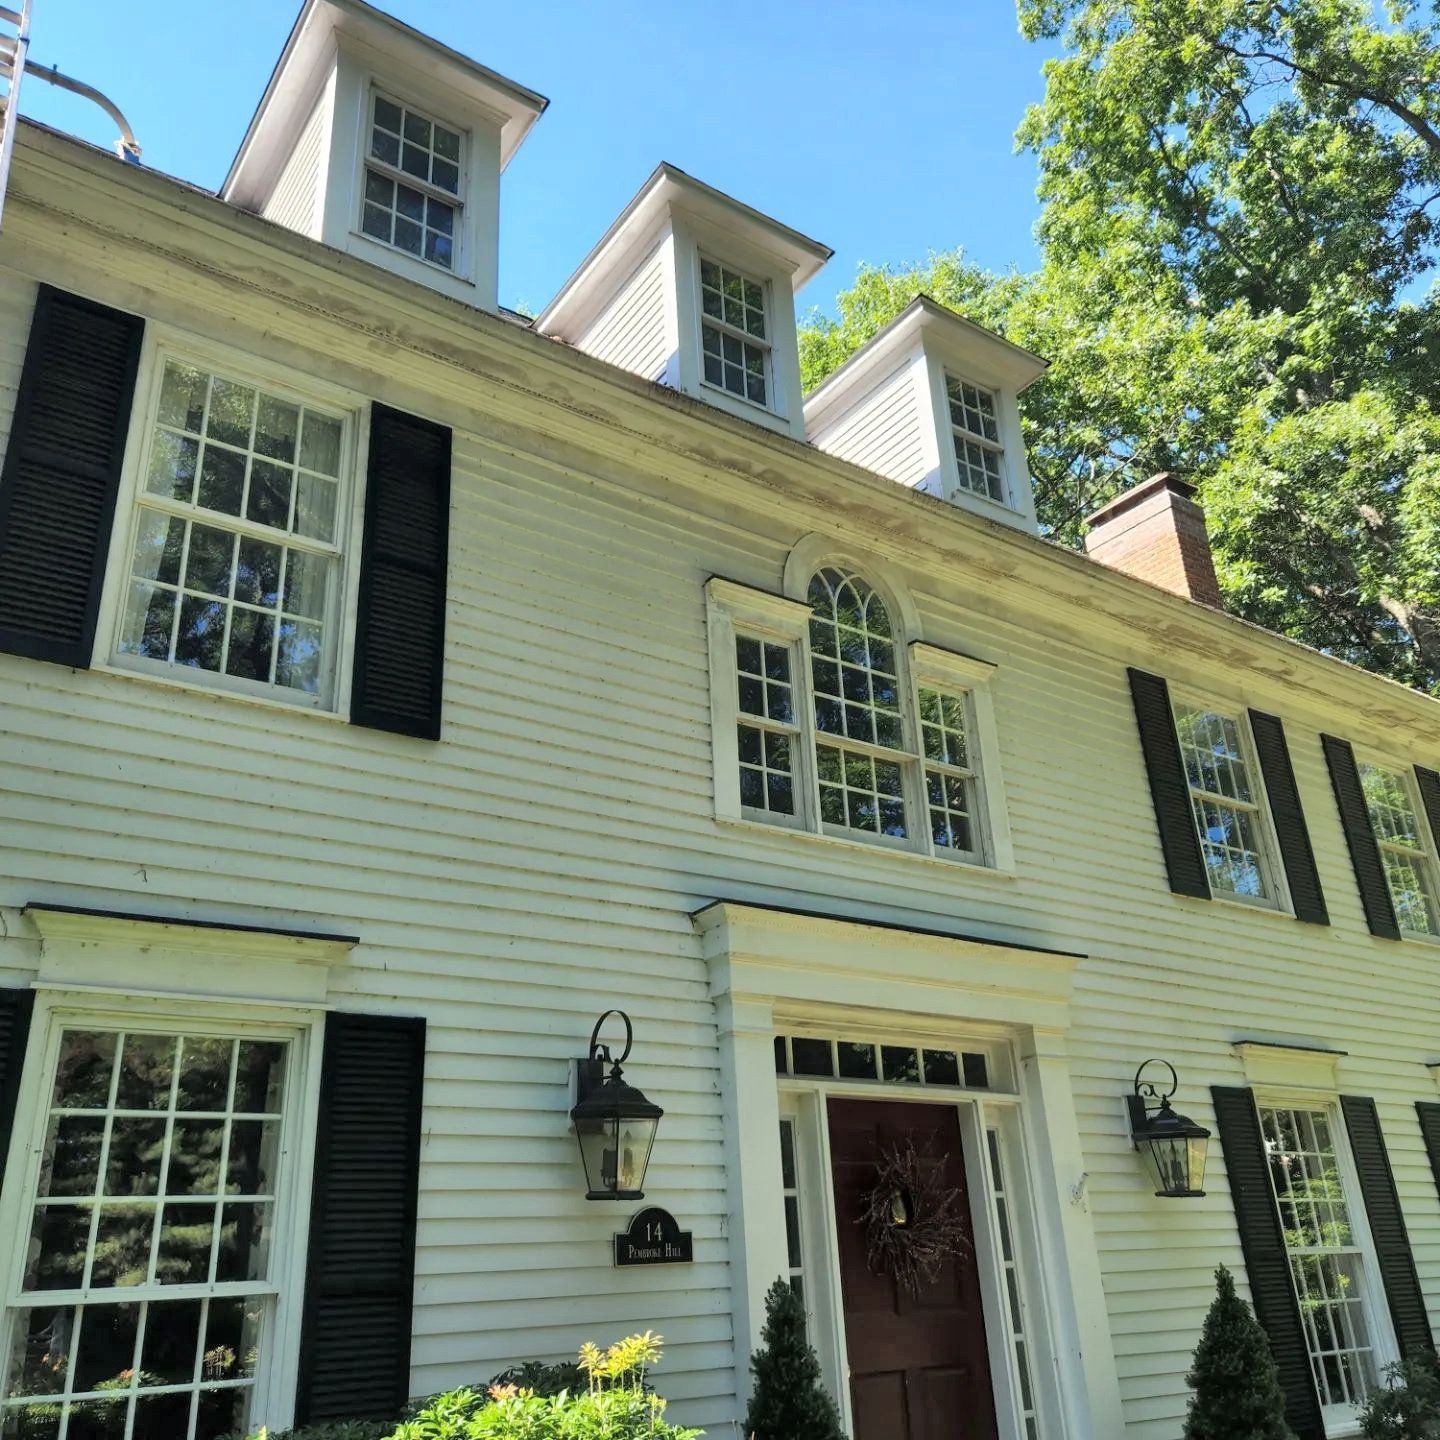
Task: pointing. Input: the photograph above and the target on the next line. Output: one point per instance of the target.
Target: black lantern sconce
(614, 1123)
(1173, 1145)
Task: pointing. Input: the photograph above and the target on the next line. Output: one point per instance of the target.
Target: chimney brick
(1155, 531)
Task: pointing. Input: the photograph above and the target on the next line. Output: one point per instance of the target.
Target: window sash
(1419, 856)
(454, 199)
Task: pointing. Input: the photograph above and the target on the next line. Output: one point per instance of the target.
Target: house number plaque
(654, 1239)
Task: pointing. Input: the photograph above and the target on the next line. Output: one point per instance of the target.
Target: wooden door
(918, 1367)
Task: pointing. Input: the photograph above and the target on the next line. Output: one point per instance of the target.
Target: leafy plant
(789, 1402)
(1237, 1387)
(1407, 1407)
(331, 1430)
(541, 1377)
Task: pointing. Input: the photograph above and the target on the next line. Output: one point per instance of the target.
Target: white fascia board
(632, 236)
(307, 58)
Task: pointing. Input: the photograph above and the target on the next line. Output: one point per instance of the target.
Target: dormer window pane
(733, 332)
(974, 419)
(411, 179)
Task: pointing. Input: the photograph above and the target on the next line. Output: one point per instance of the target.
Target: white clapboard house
(392, 684)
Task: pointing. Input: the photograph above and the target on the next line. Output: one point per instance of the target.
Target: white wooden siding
(631, 331)
(539, 864)
(297, 200)
(883, 431)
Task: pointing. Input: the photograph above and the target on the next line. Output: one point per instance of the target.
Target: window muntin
(1327, 1263)
(412, 183)
(735, 350)
(975, 426)
(1004, 1225)
(146, 1296)
(1404, 850)
(950, 783)
(1225, 802)
(790, 1189)
(767, 730)
(235, 558)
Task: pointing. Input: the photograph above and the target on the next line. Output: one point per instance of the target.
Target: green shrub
(333, 1430)
(789, 1401)
(542, 1378)
(1408, 1407)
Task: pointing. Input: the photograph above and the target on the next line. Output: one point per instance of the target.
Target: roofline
(522, 94)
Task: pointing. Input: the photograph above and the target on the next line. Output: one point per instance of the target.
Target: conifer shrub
(789, 1401)
(1407, 1407)
(1234, 1377)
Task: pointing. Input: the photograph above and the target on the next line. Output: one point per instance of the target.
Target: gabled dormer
(932, 402)
(696, 291)
(378, 140)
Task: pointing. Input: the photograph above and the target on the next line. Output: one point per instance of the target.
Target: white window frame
(162, 345)
(1271, 868)
(1342, 1419)
(767, 345)
(733, 609)
(997, 446)
(1427, 860)
(460, 200)
(61, 1008)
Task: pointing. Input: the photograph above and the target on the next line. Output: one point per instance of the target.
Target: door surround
(771, 970)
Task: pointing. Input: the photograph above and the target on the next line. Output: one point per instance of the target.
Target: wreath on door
(913, 1220)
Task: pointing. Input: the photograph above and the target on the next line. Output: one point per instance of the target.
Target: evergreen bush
(1408, 1406)
(789, 1402)
(1236, 1384)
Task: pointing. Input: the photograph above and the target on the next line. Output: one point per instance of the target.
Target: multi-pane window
(979, 451)
(1225, 801)
(1005, 1228)
(146, 1295)
(412, 183)
(1405, 850)
(733, 333)
(236, 556)
(949, 781)
(790, 1187)
(766, 729)
(1326, 1261)
(870, 1059)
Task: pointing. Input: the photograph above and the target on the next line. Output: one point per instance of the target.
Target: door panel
(918, 1365)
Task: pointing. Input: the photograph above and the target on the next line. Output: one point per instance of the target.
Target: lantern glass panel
(1176, 1163)
(615, 1152)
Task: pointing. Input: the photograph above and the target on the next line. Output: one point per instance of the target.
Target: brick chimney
(1155, 531)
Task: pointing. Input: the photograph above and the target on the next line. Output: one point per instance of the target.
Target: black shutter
(1290, 830)
(1364, 852)
(1428, 783)
(1266, 1262)
(16, 1007)
(62, 473)
(1171, 793)
(400, 628)
(355, 1341)
(1428, 1112)
(1387, 1226)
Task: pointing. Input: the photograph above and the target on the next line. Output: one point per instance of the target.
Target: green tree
(1239, 207)
(1237, 1388)
(789, 1402)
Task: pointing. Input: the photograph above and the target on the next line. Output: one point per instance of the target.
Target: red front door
(918, 1367)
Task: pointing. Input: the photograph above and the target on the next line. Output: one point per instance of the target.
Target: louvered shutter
(1387, 1225)
(355, 1342)
(62, 474)
(1291, 832)
(1364, 852)
(1266, 1262)
(1428, 783)
(1428, 1112)
(16, 1007)
(1173, 815)
(400, 624)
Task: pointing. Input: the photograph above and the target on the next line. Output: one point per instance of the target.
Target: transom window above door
(236, 537)
(142, 1306)
(412, 187)
(842, 728)
(734, 335)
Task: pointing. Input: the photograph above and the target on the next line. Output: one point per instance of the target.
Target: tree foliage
(790, 1401)
(1240, 209)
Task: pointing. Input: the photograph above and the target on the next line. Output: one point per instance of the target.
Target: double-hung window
(1406, 849)
(1328, 1261)
(975, 428)
(734, 332)
(141, 1305)
(1225, 798)
(235, 555)
(412, 194)
(842, 729)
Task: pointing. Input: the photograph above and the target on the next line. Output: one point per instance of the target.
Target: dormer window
(412, 183)
(975, 424)
(733, 333)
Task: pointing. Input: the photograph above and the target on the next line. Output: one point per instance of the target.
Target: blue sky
(883, 129)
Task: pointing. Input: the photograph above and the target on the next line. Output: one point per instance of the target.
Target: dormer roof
(641, 222)
(971, 349)
(301, 70)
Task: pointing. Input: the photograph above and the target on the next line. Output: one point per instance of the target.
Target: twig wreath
(913, 1220)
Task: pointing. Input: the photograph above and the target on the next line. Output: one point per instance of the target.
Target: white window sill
(1253, 907)
(894, 851)
(218, 693)
(423, 269)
